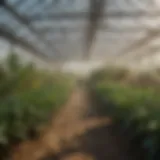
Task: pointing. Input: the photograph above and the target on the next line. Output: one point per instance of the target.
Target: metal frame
(23, 43)
(94, 16)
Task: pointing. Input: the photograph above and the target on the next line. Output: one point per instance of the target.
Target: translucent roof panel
(61, 29)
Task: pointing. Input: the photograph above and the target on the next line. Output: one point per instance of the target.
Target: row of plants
(133, 100)
(28, 98)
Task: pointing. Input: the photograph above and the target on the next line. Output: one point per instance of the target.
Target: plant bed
(28, 99)
(133, 104)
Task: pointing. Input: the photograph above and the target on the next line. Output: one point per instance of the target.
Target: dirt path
(74, 135)
(65, 127)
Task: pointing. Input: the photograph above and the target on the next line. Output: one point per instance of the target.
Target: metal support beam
(27, 22)
(138, 44)
(82, 15)
(102, 28)
(23, 43)
(97, 8)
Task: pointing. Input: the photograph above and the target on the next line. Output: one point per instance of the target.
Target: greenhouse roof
(75, 29)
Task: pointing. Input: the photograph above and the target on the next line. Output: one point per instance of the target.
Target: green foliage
(13, 63)
(28, 98)
(112, 74)
(135, 100)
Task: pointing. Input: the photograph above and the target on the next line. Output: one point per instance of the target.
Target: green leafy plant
(28, 99)
(134, 102)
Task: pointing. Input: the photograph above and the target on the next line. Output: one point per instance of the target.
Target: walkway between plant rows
(77, 133)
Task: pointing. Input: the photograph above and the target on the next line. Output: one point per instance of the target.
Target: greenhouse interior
(79, 80)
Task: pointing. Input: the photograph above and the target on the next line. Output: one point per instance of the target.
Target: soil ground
(77, 133)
